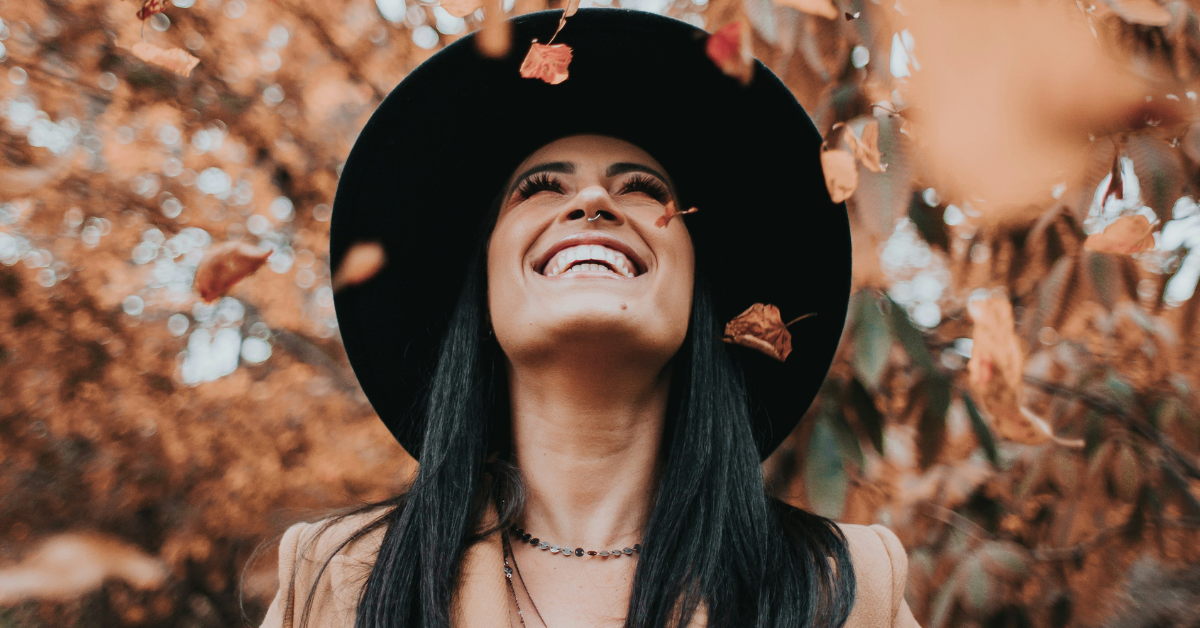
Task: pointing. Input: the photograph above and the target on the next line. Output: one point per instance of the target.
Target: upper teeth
(576, 258)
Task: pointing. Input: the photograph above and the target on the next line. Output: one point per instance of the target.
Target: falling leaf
(866, 148)
(547, 62)
(995, 371)
(461, 8)
(150, 7)
(822, 8)
(362, 261)
(670, 212)
(495, 36)
(841, 174)
(176, 60)
(571, 8)
(729, 48)
(760, 327)
(226, 265)
(1143, 12)
(1125, 236)
(67, 566)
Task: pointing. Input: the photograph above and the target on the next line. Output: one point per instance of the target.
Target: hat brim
(427, 166)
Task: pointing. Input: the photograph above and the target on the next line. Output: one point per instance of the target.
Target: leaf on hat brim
(866, 147)
(841, 174)
(822, 8)
(547, 62)
(1143, 12)
(761, 328)
(226, 265)
(995, 372)
(150, 7)
(495, 36)
(1126, 235)
(670, 212)
(461, 8)
(729, 49)
(176, 60)
(362, 261)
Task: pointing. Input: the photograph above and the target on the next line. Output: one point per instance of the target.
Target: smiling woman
(561, 378)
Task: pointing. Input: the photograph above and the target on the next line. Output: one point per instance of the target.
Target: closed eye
(646, 184)
(540, 182)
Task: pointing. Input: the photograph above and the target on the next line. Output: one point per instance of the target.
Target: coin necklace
(567, 552)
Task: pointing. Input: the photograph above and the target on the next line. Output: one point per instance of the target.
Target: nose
(594, 204)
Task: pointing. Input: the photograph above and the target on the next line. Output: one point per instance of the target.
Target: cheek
(675, 296)
(503, 256)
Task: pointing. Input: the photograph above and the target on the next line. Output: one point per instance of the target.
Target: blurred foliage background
(1015, 393)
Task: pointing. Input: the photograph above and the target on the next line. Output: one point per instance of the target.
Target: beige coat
(482, 601)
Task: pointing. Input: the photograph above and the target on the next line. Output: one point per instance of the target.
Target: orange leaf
(547, 62)
(866, 148)
(729, 48)
(362, 261)
(1126, 235)
(226, 265)
(670, 212)
(823, 8)
(495, 36)
(841, 174)
(150, 7)
(176, 60)
(461, 8)
(760, 327)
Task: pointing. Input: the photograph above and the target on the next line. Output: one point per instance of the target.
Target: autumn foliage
(1015, 393)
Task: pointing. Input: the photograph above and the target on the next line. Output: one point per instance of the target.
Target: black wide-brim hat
(427, 167)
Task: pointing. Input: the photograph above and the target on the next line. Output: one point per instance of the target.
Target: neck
(587, 437)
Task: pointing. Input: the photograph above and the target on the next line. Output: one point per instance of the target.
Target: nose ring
(594, 218)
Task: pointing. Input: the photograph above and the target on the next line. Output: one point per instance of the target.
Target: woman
(589, 448)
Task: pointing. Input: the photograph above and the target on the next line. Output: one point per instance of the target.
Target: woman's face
(577, 262)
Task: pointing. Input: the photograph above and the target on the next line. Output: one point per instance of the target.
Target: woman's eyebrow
(622, 167)
(564, 167)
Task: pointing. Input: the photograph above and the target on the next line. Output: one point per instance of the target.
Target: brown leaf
(547, 62)
(362, 261)
(760, 327)
(150, 7)
(1143, 12)
(670, 212)
(729, 48)
(841, 174)
(866, 148)
(1125, 236)
(226, 265)
(995, 371)
(822, 8)
(495, 36)
(176, 60)
(461, 8)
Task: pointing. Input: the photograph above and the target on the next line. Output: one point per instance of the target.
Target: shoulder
(322, 567)
(881, 574)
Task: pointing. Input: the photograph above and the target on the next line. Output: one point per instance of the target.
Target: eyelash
(648, 185)
(539, 183)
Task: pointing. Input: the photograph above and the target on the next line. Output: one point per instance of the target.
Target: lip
(590, 237)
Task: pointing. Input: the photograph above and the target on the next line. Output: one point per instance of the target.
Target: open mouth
(590, 258)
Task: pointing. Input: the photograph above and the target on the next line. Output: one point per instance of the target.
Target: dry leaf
(461, 8)
(495, 36)
(823, 8)
(841, 174)
(362, 261)
(1125, 236)
(760, 327)
(729, 48)
(1143, 12)
(150, 7)
(995, 371)
(176, 60)
(547, 62)
(67, 566)
(670, 212)
(226, 265)
(866, 148)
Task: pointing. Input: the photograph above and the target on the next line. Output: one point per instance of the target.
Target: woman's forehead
(589, 149)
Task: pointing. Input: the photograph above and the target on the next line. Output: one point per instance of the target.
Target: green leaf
(912, 338)
(847, 440)
(872, 339)
(933, 421)
(868, 414)
(983, 431)
(825, 480)
(977, 586)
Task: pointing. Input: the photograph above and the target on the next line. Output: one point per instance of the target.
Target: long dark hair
(714, 536)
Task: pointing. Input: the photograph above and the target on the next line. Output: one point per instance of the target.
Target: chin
(594, 329)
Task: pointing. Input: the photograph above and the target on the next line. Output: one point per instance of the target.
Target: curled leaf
(841, 174)
(226, 265)
(150, 7)
(670, 212)
(822, 8)
(547, 62)
(761, 328)
(729, 49)
(176, 60)
(995, 371)
(866, 148)
(362, 261)
(461, 8)
(1125, 236)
